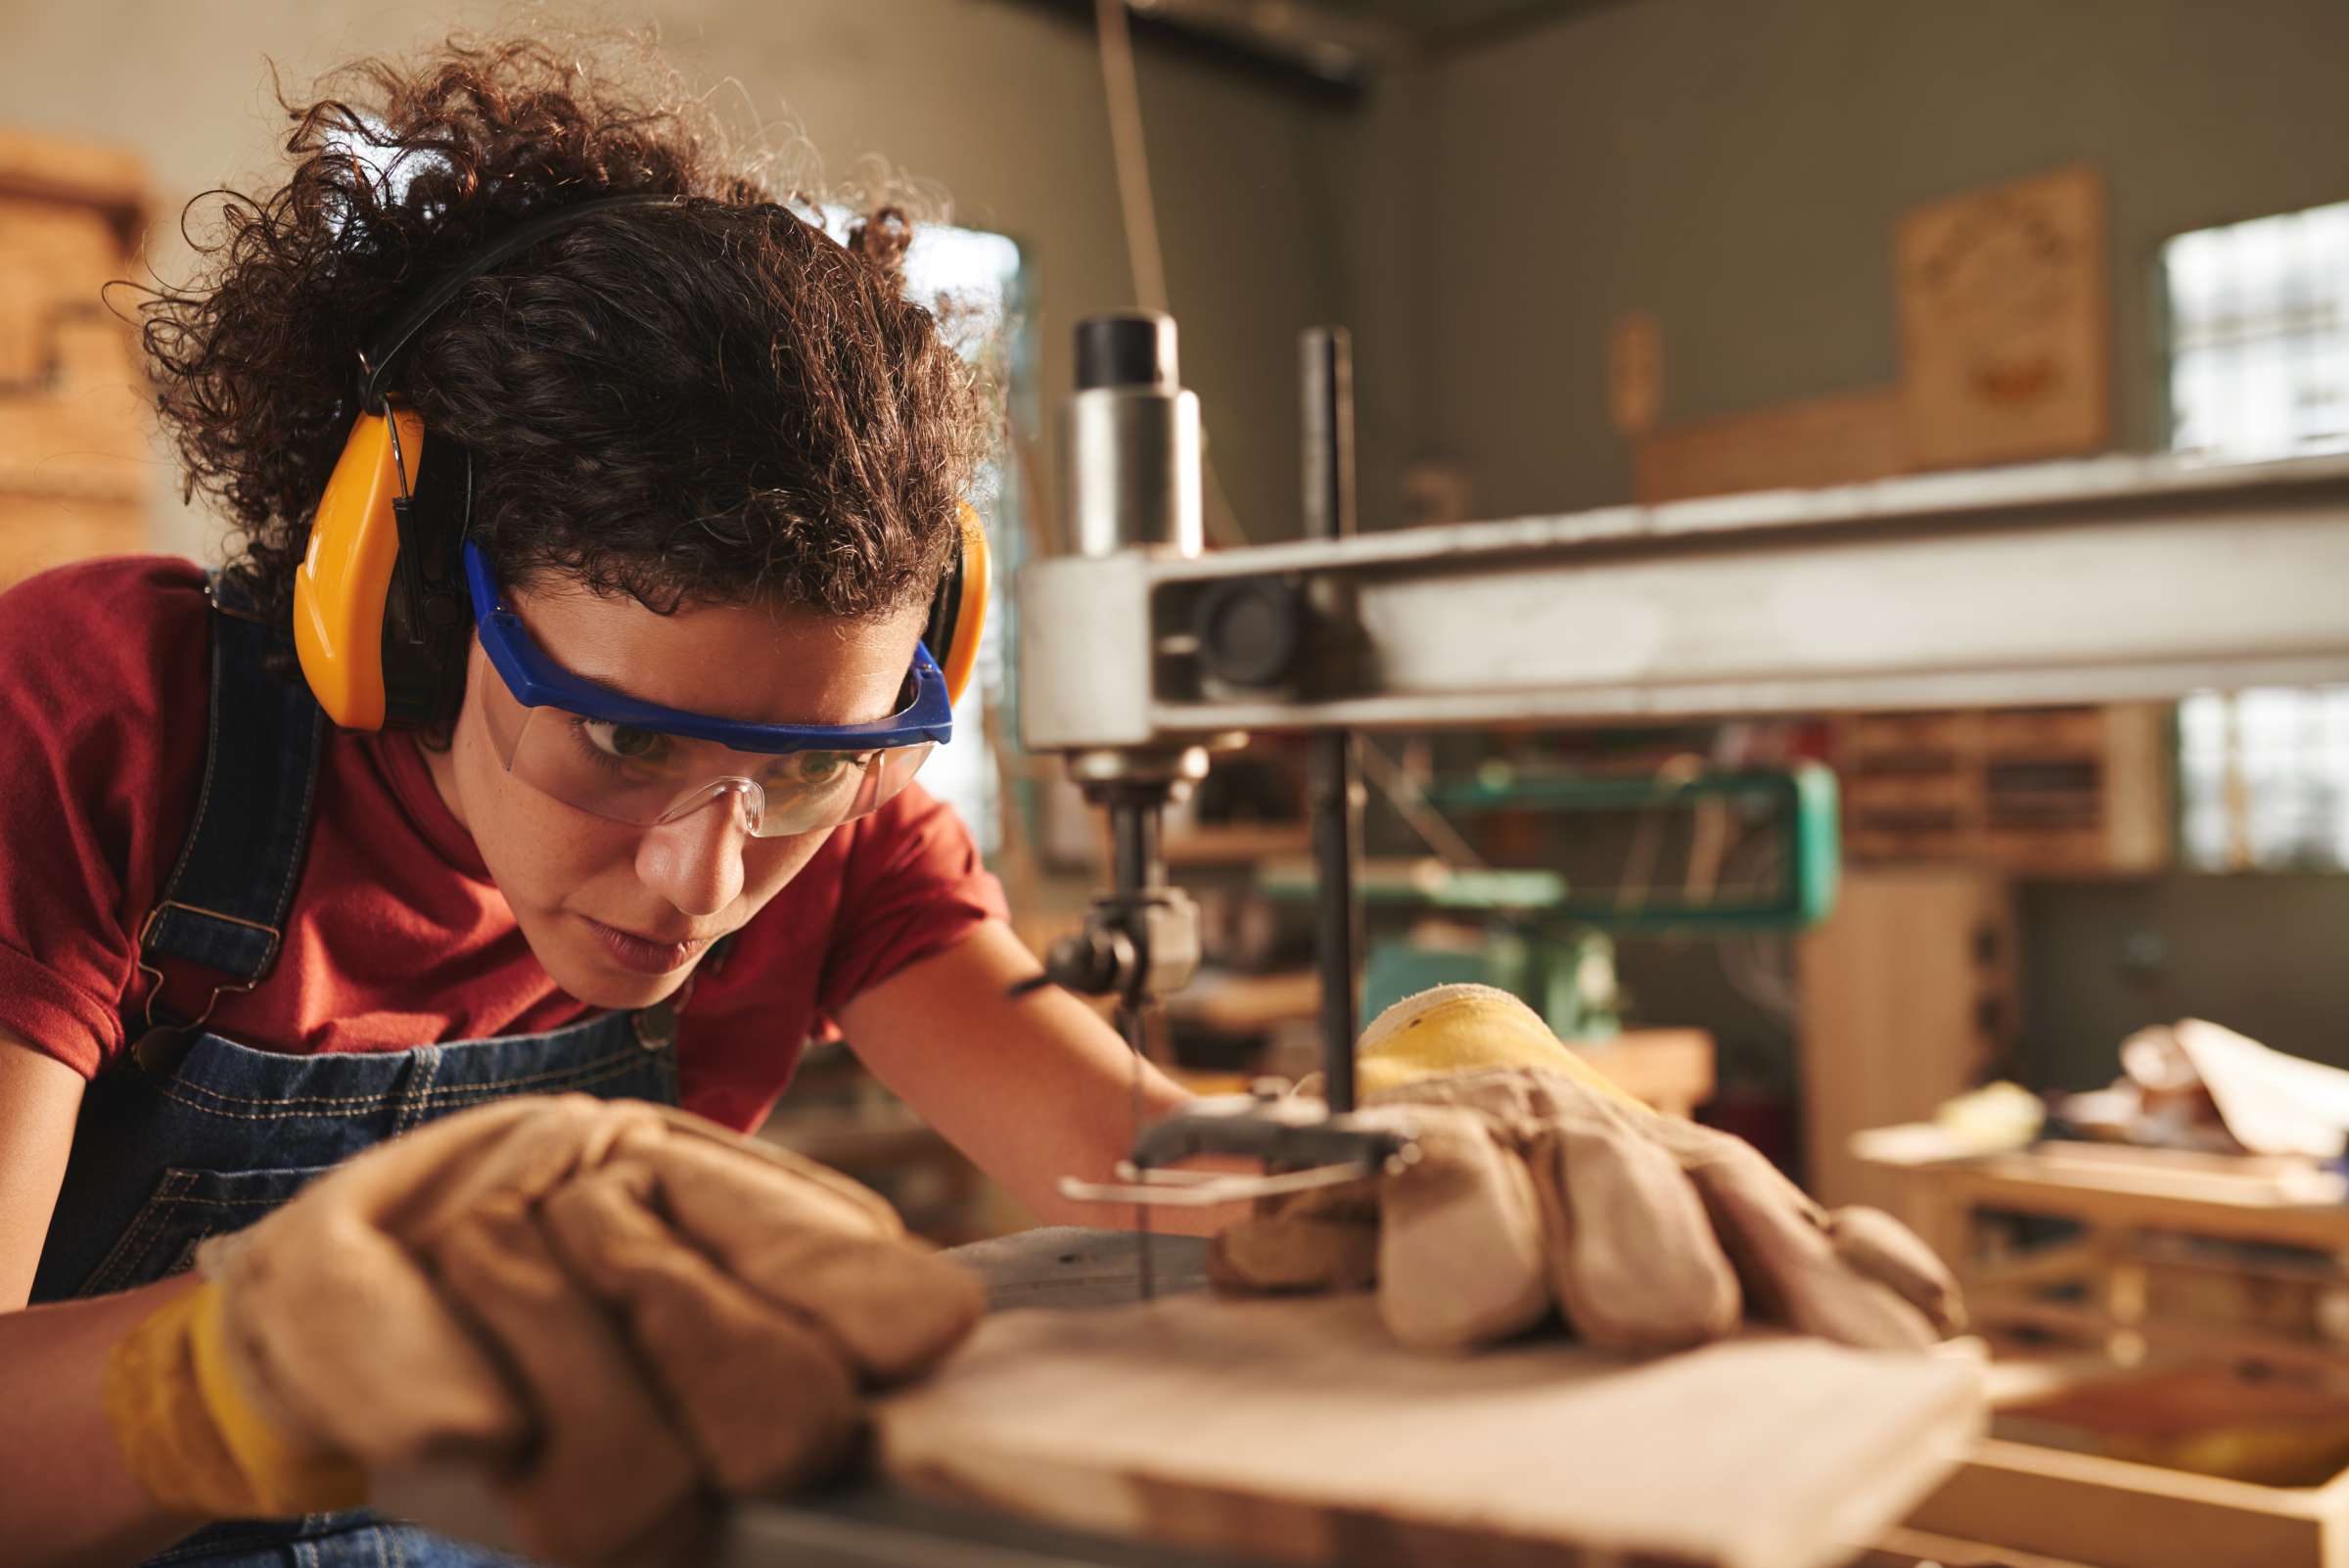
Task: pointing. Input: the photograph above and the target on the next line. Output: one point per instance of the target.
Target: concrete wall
(2266, 955)
(999, 105)
(1737, 167)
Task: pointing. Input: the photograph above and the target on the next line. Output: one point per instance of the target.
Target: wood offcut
(1299, 1430)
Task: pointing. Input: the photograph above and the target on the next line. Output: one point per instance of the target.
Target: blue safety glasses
(638, 762)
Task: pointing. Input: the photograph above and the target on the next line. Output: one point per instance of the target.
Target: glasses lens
(645, 776)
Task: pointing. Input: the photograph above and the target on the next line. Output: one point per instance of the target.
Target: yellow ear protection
(958, 609)
(378, 601)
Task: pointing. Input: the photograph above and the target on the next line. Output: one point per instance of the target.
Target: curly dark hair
(705, 402)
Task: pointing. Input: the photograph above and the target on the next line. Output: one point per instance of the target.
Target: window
(2259, 369)
(977, 275)
(2259, 337)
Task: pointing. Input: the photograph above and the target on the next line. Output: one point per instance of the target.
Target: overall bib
(190, 1135)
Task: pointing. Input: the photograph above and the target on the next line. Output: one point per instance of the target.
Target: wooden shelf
(2036, 791)
(2089, 1463)
(75, 463)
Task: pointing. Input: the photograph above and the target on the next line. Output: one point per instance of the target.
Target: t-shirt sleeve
(102, 700)
(914, 887)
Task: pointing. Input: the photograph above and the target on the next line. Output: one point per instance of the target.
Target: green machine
(1540, 935)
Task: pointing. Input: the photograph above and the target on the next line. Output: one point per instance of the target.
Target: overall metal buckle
(657, 1025)
(233, 987)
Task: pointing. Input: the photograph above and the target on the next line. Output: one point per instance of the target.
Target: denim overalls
(191, 1134)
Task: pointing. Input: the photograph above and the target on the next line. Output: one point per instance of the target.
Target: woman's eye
(811, 769)
(625, 742)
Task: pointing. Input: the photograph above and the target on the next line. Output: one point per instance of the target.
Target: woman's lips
(645, 957)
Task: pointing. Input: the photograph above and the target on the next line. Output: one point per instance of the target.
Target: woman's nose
(695, 860)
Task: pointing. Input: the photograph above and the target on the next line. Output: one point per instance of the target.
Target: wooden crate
(2080, 791)
(2088, 1508)
(2270, 1284)
(2164, 1357)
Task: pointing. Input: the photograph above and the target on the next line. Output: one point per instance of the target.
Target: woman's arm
(1032, 1088)
(40, 1098)
(66, 1497)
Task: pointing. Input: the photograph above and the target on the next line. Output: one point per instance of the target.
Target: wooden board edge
(54, 169)
(1907, 1545)
(2332, 1501)
(1209, 1517)
(2121, 1514)
(1805, 444)
(1927, 1461)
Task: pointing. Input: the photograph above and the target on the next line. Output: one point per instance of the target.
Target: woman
(705, 466)
(555, 731)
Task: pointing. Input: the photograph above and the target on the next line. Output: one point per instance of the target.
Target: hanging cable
(1124, 88)
(1410, 803)
(1130, 158)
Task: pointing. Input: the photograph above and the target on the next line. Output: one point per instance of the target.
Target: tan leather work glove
(608, 1310)
(1541, 1187)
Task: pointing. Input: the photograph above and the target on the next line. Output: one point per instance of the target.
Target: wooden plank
(55, 168)
(1300, 1430)
(1908, 991)
(2117, 1514)
(40, 533)
(1847, 440)
(2006, 324)
(1915, 1549)
(1997, 1314)
(2137, 810)
(75, 461)
(2263, 1180)
(1635, 373)
(1670, 1069)
(2250, 1213)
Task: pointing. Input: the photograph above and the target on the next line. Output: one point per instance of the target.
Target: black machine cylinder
(1127, 348)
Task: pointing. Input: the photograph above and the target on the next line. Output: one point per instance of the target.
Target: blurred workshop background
(1592, 252)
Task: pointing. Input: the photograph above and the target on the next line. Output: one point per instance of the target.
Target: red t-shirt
(397, 937)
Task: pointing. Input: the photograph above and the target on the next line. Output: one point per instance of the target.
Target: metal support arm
(2107, 581)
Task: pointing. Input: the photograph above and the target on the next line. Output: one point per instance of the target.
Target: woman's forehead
(760, 663)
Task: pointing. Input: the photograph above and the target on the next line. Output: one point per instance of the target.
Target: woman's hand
(1541, 1188)
(606, 1311)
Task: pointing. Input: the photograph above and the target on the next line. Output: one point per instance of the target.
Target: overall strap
(224, 905)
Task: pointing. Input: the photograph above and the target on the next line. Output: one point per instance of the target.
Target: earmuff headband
(376, 596)
(376, 358)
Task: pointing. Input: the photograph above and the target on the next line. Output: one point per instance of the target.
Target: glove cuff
(194, 1440)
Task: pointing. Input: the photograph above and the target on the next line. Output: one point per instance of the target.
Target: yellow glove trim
(1459, 1029)
(191, 1437)
(286, 1478)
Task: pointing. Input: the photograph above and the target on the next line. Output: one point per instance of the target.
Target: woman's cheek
(771, 863)
(541, 851)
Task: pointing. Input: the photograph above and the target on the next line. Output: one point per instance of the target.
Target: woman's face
(620, 914)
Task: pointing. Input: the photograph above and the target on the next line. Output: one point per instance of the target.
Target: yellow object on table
(1452, 1029)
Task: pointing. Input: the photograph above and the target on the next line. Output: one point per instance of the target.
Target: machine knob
(1093, 962)
(1249, 630)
